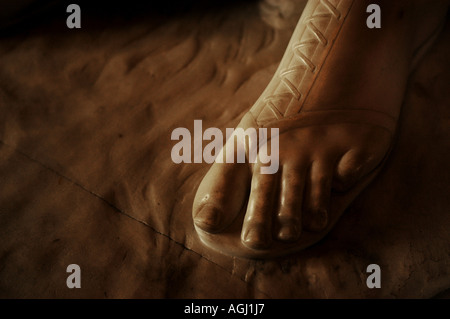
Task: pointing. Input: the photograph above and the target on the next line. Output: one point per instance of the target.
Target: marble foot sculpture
(335, 99)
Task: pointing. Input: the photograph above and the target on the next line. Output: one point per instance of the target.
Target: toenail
(256, 239)
(288, 232)
(207, 217)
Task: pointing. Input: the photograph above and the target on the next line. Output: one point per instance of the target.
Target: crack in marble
(121, 211)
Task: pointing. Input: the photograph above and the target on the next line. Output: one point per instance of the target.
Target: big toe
(220, 196)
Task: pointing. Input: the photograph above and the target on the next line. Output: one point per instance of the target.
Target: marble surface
(87, 178)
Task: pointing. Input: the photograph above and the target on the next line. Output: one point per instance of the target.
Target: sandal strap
(318, 30)
(330, 117)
